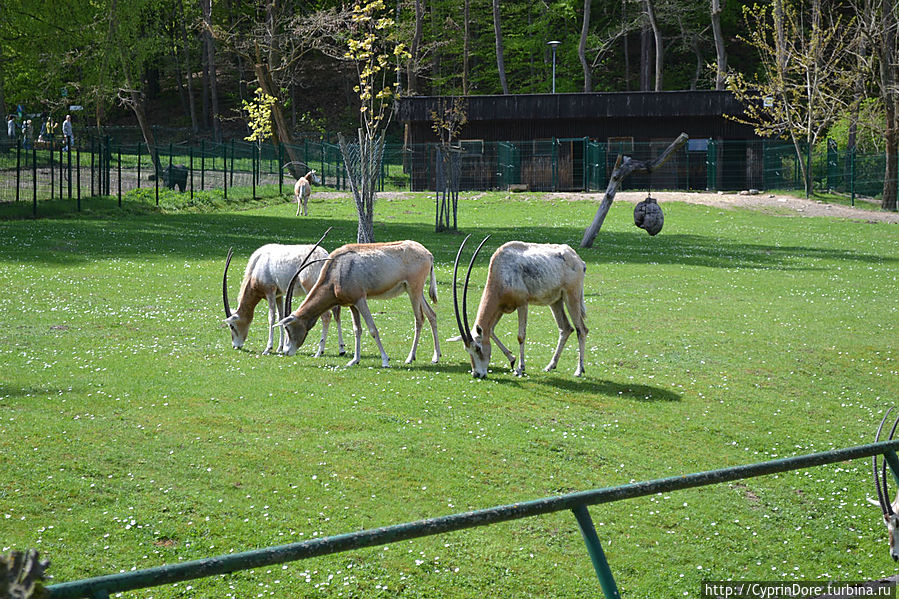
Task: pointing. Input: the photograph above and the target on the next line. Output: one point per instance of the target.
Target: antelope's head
(889, 509)
(313, 177)
(239, 325)
(477, 344)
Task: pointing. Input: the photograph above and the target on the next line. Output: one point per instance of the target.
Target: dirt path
(764, 202)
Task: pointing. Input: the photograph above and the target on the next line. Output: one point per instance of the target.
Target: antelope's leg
(326, 320)
(565, 329)
(341, 348)
(506, 351)
(357, 331)
(432, 320)
(522, 330)
(416, 300)
(273, 310)
(362, 307)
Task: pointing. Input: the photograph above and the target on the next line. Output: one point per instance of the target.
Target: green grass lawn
(132, 435)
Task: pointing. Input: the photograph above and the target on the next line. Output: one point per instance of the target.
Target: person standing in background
(67, 133)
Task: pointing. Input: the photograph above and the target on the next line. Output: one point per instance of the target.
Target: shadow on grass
(208, 236)
(632, 391)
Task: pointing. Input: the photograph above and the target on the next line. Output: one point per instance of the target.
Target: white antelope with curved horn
(270, 270)
(889, 509)
(520, 274)
(357, 272)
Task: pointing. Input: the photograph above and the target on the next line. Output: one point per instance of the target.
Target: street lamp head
(554, 44)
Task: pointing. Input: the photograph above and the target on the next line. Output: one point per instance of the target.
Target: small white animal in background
(268, 273)
(303, 189)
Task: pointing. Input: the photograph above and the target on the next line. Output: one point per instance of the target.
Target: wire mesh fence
(106, 166)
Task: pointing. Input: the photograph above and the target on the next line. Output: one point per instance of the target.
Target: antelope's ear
(478, 330)
(232, 319)
(873, 501)
(286, 321)
(454, 339)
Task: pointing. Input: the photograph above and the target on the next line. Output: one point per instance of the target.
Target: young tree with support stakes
(806, 75)
(373, 51)
(447, 122)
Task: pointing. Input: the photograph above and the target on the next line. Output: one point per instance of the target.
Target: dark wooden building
(570, 141)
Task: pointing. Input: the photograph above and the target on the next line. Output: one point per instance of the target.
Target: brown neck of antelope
(489, 311)
(247, 300)
(320, 299)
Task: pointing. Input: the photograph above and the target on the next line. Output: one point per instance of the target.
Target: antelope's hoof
(341, 352)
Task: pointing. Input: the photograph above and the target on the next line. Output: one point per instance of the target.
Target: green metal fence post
(852, 176)
(78, 175)
(280, 169)
(34, 180)
(18, 169)
(190, 171)
(225, 169)
(597, 555)
(203, 164)
(119, 173)
(893, 461)
(138, 165)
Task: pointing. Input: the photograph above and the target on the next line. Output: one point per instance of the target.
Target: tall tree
(720, 50)
(582, 47)
(658, 42)
(805, 75)
(211, 73)
(500, 60)
(878, 28)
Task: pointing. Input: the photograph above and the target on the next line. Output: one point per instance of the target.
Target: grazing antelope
(889, 509)
(358, 272)
(520, 274)
(303, 189)
(269, 272)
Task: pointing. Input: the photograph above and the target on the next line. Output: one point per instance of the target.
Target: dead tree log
(624, 166)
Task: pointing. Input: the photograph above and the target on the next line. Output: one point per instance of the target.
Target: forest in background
(192, 63)
(807, 70)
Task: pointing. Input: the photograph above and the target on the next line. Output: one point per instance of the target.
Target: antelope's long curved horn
(225, 283)
(880, 482)
(465, 288)
(883, 475)
(289, 299)
(466, 339)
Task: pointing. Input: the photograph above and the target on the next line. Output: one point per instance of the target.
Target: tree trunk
(209, 44)
(888, 81)
(660, 49)
(414, 51)
(582, 48)
(188, 71)
(624, 166)
(627, 53)
(645, 58)
(720, 52)
(282, 130)
(466, 39)
(500, 62)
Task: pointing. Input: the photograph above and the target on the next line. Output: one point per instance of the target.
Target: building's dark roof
(581, 105)
(639, 115)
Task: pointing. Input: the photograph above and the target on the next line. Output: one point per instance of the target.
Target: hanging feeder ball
(648, 216)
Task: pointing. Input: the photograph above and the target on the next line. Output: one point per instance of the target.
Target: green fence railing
(102, 587)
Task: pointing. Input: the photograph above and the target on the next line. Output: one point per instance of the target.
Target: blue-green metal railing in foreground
(103, 586)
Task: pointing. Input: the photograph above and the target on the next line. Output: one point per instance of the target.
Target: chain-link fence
(110, 167)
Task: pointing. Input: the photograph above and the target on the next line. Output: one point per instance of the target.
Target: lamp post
(554, 44)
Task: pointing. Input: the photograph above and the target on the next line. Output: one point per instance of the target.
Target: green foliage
(259, 116)
(869, 135)
(374, 52)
